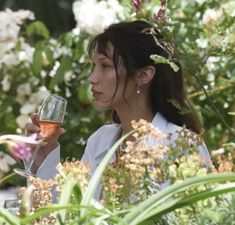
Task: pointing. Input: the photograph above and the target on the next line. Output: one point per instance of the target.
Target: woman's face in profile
(103, 80)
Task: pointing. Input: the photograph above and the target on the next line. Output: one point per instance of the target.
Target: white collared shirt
(103, 139)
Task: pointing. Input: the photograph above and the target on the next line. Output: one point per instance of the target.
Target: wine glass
(50, 117)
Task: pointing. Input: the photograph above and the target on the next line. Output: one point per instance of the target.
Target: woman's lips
(95, 93)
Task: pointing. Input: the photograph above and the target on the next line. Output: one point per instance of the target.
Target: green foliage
(203, 34)
(38, 28)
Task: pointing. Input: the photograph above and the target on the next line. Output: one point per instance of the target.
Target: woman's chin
(98, 106)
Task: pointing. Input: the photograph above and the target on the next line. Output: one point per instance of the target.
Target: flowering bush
(92, 17)
(34, 64)
(152, 182)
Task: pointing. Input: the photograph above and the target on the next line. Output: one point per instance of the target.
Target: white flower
(5, 162)
(26, 52)
(10, 59)
(24, 89)
(202, 42)
(200, 2)
(93, 16)
(38, 97)
(28, 108)
(10, 21)
(22, 120)
(68, 76)
(211, 62)
(6, 84)
(211, 16)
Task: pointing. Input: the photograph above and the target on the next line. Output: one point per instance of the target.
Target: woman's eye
(106, 66)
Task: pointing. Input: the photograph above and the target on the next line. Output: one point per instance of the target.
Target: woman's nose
(92, 79)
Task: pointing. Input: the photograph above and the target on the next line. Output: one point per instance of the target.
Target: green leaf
(136, 215)
(65, 65)
(65, 199)
(46, 210)
(171, 205)
(9, 218)
(26, 201)
(84, 93)
(6, 178)
(38, 28)
(77, 193)
(49, 55)
(68, 39)
(162, 60)
(37, 60)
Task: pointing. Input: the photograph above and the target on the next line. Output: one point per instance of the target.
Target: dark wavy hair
(134, 44)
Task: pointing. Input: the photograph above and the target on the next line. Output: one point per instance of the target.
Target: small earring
(138, 91)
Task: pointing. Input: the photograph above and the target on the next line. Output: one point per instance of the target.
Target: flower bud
(137, 4)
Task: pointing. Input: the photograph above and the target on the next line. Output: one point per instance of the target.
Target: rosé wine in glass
(51, 115)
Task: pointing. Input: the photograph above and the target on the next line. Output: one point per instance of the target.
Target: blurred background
(56, 14)
(43, 49)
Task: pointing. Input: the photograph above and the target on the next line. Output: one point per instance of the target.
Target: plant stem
(7, 177)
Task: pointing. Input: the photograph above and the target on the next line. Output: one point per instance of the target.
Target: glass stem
(31, 161)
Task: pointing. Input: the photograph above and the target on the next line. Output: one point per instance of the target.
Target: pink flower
(160, 15)
(137, 4)
(20, 150)
(18, 145)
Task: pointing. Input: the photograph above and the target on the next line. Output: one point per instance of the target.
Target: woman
(126, 80)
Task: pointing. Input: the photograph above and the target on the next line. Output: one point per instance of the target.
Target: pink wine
(48, 127)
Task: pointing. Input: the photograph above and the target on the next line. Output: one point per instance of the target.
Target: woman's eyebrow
(101, 59)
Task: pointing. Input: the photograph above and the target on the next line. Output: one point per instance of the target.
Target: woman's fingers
(32, 128)
(34, 118)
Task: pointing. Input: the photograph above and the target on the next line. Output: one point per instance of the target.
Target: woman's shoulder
(164, 125)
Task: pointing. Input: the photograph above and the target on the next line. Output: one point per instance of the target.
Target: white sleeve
(47, 169)
(86, 158)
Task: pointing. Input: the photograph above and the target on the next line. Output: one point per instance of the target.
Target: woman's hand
(48, 143)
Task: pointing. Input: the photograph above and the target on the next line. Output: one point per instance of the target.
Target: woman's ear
(145, 75)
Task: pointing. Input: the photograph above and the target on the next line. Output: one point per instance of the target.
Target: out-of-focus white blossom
(202, 42)
(61, 50)
(22, 120)
(9, 23)
(200, 1)
(6, 84)
(5, 162)
(29, 101)
(55, 68)
(39, 96)
(76, 31)
(23, 90)
(210, 17)
(28, 108)
(93, 16)
(26, 52)
(58, 49)
(211, 62)
(68, 76)
(9, 59)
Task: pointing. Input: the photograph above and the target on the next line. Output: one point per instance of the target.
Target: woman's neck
(126, 116)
